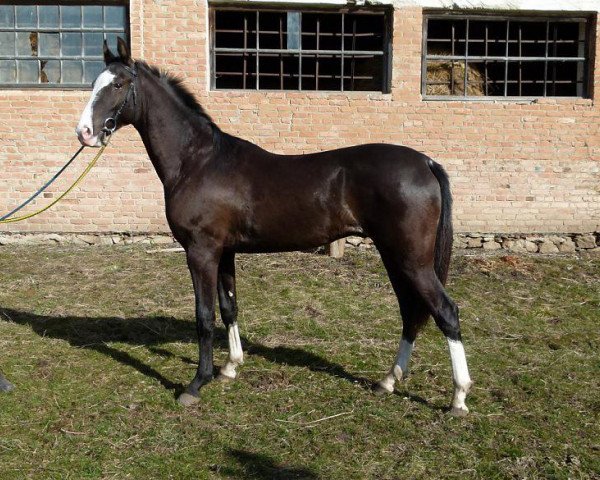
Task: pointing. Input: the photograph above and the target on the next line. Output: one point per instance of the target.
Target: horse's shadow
(98, 333)
(262, 467)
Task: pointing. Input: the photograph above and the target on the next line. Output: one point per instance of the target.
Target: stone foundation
(85, 239)
(551, 243)
(514, 243)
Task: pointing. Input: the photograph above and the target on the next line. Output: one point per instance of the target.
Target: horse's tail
(443, 241)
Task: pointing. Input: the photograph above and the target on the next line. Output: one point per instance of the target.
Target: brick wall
(515, 167)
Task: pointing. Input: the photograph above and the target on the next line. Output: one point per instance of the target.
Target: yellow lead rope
(58, 199)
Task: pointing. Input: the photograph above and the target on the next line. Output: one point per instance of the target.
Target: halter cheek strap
(110, 124)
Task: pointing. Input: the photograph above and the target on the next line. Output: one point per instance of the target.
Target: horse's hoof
(5, 385)
(459, 412)
(187, 400)
(224, 378)
(379, 389)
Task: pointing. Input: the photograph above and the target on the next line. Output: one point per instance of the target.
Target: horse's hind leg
(414, 315)
(445, 313)
(420, 294)
(228, 307)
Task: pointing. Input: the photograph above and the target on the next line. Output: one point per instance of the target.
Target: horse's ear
(108, 55)
(123, 50)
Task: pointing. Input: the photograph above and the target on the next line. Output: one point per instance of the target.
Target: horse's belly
(299, 230)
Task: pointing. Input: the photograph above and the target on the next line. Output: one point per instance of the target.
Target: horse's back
(373, 162)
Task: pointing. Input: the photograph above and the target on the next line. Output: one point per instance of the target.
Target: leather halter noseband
(110, 124)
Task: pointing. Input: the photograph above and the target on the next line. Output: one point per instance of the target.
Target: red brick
(499, 155)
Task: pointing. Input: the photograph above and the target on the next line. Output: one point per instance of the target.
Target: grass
(99, 340)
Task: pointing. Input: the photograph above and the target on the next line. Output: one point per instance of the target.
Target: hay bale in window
(446, 77)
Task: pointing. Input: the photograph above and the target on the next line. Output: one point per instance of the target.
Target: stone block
(548, 247)
(585, 241)
(460, 242)
(568, 246)
(491, 245)
(354, 241)
(161, 239)
(474, 242)
(89, 239)
(531, 247)
(520, 246)
(8, 239)
(534, 239)
(556, 240)
(52, 237)
(336, 249)
(77, 240)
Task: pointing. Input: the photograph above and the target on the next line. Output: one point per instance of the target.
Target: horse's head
(112, 104)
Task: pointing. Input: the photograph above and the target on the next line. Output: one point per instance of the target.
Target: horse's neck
(170, 132)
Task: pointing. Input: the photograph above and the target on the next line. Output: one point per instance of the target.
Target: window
(56, 45)
(505, 57)
(292, 50)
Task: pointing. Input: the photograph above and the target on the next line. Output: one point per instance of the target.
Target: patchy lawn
(98, 340)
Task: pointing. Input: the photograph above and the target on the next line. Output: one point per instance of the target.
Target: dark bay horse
(225, 195)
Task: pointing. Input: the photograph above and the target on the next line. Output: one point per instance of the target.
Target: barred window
(56, 45)
(300, 50)
(505, 57)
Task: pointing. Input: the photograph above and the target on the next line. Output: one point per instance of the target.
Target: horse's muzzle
(84, 134)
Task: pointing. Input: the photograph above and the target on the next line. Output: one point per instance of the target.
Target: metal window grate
(56, 45)
(489, 56)
(292, 50)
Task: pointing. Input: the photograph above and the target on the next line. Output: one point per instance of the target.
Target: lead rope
(110, 125)
(60, 197)
(44, 187)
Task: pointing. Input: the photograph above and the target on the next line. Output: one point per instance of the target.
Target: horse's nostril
(86, 132)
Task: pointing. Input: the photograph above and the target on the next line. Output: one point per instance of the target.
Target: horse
(225, 195)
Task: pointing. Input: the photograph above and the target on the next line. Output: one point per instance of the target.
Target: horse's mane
(177, 86)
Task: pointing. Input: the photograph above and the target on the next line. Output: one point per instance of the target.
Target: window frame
(386, 52)
(575, 17)
(126, 32)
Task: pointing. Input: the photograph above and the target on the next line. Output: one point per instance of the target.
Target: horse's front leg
(203, 264)
(5, 385)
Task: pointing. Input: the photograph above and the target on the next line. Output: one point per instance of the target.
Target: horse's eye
(118, 85)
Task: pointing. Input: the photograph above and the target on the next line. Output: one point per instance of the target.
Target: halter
(110, 124)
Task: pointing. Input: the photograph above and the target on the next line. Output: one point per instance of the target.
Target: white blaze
(87, 117)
